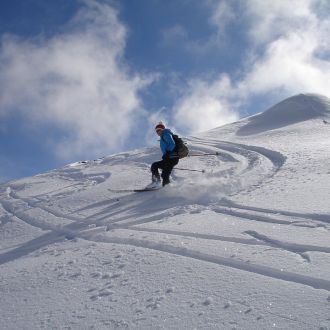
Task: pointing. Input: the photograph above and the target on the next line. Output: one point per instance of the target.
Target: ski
(188, 169)
(134, 190)
(205, 154)
(147, 189)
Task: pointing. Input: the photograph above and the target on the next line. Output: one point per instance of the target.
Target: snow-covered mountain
(244, 245)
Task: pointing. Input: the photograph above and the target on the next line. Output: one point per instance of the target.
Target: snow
(244, 245)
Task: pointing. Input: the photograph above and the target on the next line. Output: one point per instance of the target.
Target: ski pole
(205, 154)
(188, 169)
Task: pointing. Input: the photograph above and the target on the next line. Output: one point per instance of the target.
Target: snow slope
(244, 245)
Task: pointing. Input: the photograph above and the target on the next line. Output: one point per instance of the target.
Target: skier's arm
(168, 139)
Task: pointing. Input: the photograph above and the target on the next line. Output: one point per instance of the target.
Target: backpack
(180, 147)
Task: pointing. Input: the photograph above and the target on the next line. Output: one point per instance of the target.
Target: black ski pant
(166, 165)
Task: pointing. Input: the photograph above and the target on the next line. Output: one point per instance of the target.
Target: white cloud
(76, 81)
(289, 65)
(288, 53)
(205, 105)
(296, 56)
(222, 15)
(269, 20)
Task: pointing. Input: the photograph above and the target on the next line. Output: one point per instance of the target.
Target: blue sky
(84, 79)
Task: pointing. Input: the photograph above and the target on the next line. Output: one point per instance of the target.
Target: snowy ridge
(244, 245)
(290, 111)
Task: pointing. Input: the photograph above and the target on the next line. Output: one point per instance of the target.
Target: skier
(170, 157)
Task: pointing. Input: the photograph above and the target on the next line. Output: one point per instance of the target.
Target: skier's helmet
(159, 127)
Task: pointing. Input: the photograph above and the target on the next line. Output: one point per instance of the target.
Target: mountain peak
(290, 111)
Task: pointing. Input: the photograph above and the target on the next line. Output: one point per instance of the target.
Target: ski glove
(166, 156)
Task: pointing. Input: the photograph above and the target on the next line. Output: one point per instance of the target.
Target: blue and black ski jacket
(167, 144)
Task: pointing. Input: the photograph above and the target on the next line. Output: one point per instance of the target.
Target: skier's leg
(167, 169)
(154, 170)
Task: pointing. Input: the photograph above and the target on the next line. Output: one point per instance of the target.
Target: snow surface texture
(244, 245)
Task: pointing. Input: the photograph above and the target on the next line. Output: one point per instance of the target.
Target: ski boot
(155, 183)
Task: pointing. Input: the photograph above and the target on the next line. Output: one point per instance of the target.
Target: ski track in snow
(235, 265)
(109, 216)
(253, 154)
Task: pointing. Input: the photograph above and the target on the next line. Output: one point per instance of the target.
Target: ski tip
(133, 190)
(147, 189)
